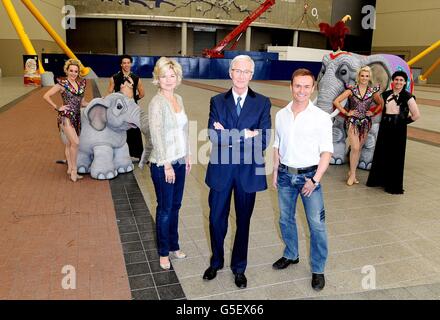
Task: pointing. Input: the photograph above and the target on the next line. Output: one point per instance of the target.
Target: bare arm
(414, 109)
(325, 154)
(140, 89)
(379, 105)
(84, 103)
(47, 96)
(339, 99)
(323, 164)
(111, 86)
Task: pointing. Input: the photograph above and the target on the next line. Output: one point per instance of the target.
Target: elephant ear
(97, 114)
(381, 75)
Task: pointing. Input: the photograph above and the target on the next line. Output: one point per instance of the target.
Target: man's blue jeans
(169, 199)
(289, 187)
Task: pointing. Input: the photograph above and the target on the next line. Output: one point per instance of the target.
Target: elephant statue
(339, 71)
(148, 146)
(103, 150)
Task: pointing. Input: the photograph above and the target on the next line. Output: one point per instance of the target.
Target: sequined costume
(72, 99)
(360, 121)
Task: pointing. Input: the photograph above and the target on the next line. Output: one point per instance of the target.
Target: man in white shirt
(302, 150)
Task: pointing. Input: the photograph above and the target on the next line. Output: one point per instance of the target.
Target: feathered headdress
(335, 34)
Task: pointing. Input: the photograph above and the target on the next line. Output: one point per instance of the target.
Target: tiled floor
(397, 235)
(137, 233)
(48, 223)
(12, 88)
(138, 238)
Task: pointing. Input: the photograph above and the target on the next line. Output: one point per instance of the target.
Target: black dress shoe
(240, 280)
(318, 281)
(283, 263)
(210, 273)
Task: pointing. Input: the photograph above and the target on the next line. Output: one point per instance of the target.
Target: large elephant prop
(339, 70)
(103, 150)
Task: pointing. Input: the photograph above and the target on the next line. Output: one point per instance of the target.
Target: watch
(316, 183)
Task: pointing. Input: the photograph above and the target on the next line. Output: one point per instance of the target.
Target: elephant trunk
(326, 98)
(145, 129)
(144, 125)
(137, 117)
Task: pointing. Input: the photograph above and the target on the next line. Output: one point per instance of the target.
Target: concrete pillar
(248, 39)
(295, 38)
(184, 38)
(120, 36)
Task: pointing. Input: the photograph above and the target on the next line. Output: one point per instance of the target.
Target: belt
(298, 170)
(394, 118)
(391, 116)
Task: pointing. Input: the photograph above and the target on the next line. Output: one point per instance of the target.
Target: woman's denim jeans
(289, 187)
(169, 199)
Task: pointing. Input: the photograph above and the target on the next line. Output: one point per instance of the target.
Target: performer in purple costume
(69, 114)
(361, 99)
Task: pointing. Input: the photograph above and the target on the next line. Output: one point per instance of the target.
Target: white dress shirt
(243, 97)
(301, 139)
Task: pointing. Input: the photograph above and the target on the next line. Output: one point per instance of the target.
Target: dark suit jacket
(230, 149)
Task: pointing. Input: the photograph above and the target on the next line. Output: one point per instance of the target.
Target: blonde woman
(361, 99)
(69, 114)
(169, 157)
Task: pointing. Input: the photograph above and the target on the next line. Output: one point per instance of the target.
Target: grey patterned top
(164, 131)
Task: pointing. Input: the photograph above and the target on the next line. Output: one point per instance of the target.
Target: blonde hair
(365, 69)
(72, 62)
(162, 65)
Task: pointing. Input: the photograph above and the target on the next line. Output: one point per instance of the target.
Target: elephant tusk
(334, 113)
(345, 18)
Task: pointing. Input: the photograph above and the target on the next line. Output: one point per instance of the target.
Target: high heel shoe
(165, 265)
(350, 183)
(179, 254)
(76, 177)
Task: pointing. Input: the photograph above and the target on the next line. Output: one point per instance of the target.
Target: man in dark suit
(239, 129)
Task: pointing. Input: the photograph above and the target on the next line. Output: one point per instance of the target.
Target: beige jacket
(164, 131)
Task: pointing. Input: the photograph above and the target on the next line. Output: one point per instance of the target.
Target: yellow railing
(422, 54)
(428, 72)
(28, 3)
(16, 22)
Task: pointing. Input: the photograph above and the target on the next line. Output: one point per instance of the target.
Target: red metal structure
(217, 51)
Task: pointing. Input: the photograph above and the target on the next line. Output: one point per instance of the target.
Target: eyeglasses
(240, 72)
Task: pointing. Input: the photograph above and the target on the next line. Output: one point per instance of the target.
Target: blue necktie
(238, 106)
